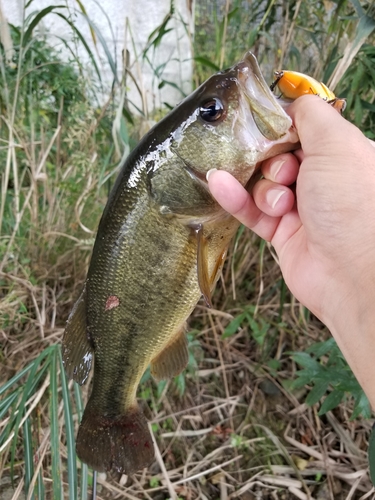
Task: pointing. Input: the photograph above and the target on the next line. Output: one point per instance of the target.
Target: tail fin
(123, 444)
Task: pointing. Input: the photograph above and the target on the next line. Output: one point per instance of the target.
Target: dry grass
(235, 432)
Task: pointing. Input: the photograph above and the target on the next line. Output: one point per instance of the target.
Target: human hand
(324, 234)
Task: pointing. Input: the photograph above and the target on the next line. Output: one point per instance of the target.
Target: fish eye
(211, 110)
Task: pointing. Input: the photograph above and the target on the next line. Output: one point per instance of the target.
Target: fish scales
(160, 246)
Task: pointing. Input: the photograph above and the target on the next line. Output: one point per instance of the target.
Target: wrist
(352, 325)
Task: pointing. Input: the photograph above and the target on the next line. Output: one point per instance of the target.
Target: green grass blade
(15, 379)
(38, 377)
(206, 62)
(40, 487)
(13, 398)
(108, 53)
(28, 4)
(84, 468)
(69, 432)
(83, 10)
(358, 7)
(171, 84)
(365, 27)
(7, 403)
(28, 33)
(54, 422)
(155, 38)
(84, 481)
(109, 24)
(81, 37)
(21, 407)
(28, 455)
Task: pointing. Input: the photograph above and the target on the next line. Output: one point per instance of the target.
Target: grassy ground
(236, 424)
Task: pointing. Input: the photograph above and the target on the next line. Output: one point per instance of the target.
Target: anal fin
(77, 351)
(173, 358)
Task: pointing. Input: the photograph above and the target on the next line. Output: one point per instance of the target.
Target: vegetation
(238, 421)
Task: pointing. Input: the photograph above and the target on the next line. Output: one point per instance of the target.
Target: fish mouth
(267, 113)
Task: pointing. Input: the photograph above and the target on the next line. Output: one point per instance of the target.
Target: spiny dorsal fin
(77, 351)
(173, 358)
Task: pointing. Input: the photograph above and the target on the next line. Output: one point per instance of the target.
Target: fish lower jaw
(289, 142)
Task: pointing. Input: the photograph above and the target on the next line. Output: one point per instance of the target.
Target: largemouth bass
(160, 246)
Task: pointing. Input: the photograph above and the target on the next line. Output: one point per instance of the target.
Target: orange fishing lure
(293, 85)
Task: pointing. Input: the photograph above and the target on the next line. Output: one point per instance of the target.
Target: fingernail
(273, 196)
(275, 168)
(210, 172)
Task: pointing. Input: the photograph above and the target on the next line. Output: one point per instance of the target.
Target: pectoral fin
(204, 281)
(218, 267)
(173, 359)
(77, 351)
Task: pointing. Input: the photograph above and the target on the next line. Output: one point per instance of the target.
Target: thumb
(321, 128)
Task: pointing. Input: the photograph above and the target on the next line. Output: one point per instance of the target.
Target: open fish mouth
(259, 126)
(263, 120)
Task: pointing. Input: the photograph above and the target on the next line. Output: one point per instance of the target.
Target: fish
(160, 246)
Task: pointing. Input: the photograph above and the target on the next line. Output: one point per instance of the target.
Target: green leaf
(345, 381)
(357, 78)
(306, 361)
(15, 379)
(253, 35)
(364, 29)
(358, 111)
(304, 378)
(322, 348)
(274, 365)
(157, 35)
(358, 7)
(30, 382)
(180, 383)
(233, 326)
(83, 10)
(128, 115)
(171, 84)
(259, 330)
(361, 405)
(160, 387)
(7, 403)
(81, 37)
(108, 53)
(206, 62)
(317, 392)
(28, 33)
(331, 401)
